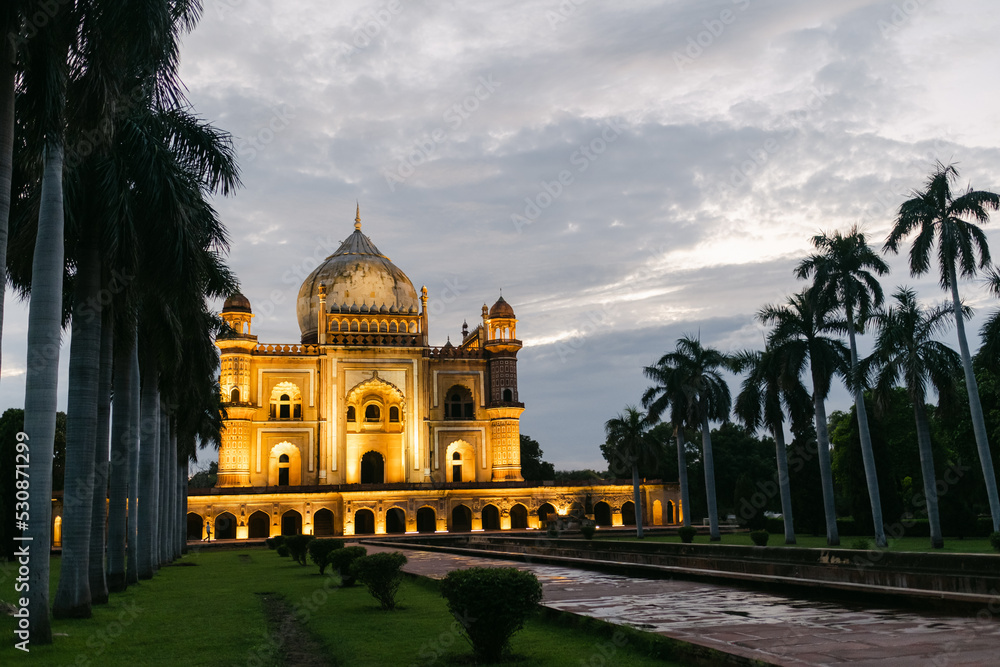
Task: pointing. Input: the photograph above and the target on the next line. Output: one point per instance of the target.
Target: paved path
(774, 628)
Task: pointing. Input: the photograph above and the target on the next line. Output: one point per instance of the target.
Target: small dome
(501, 309)
(236, 303)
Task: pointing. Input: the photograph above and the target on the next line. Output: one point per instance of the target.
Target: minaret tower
(500, 329)
(236, 347)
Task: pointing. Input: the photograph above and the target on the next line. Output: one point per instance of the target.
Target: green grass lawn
(979, 545)
(208, 610)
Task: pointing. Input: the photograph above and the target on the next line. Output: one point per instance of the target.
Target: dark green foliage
(894, 446)
(588, 528)
(342, 559)
(687, 534)
(298, 546)
(577, 476)
(320, 551)
(491, 603)
(995, 540)
(274, 542)
(205, 479)
(861, 544)
(533, 468)
(382, 574)
(283, 550)
(759, 537)
(750, 501)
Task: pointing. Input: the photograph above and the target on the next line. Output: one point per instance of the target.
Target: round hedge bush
(382, 574)
(759, 537)
(320, 551)
(491, 604)
(687, 534)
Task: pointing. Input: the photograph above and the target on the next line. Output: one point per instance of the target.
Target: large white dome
(356, 275)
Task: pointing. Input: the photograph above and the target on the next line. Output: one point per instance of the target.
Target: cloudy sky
(626, 172)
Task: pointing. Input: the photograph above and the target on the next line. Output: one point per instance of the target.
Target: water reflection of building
(363, 427)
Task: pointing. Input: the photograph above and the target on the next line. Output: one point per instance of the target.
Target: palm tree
(939, 217)
(989, 352)
(798, 337)
(843, 272)
(656, 399)
(703, 395)
(763, 393)
(905, 351)
(627, 435)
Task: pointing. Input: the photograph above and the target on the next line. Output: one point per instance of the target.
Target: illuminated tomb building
(364, 428)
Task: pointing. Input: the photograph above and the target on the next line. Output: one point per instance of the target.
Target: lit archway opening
(395, 521)
(364, 522)
(291, 523)
(258, 525)
(323, 522)
(602, 514)
(372, 468)
(491, 518)
(461, 519)
(518, 517)
(225, 526)
(426, 520)
(628, 514)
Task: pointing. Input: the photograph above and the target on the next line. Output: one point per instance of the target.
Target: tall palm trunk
(42, 383)
(135, 383)
(783, 483)
(99, 508)
(706, 450)
(927, 471)
(122, 450)
(163, 488)
(183, 486)
(73, 595)
(682, 476)
(6, 156)
(975, 408)
(825, 469)
(867, 455)
(636, 497)
(149, 453)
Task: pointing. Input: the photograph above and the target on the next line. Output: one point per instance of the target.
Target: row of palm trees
(844, 297)
(104, 183)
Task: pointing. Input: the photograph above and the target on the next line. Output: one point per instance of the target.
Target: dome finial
(357, 218)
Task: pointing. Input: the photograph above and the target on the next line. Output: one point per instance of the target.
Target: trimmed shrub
(342, 559)
(321, 549)
(861, 544)
(274, 542)
(995, 540)
(588, 528)
(298, 546)
(283, 550)
(491, 604)
(759, 537)
(382, 574)
(687, 534)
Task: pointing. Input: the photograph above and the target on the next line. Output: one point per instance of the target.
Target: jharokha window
(351, 414)
(458, 403)
(394, 414)
(286, 402)
(373, 413)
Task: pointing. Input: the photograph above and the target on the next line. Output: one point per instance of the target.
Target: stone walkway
(777, 629)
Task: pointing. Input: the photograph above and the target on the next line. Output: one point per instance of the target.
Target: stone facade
(368, 425)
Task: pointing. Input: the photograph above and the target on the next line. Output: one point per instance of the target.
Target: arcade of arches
(522, 507)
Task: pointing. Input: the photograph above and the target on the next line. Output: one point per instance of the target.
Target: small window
(457, 456)
(458, 403)
(283, 458)
(235, 396)
(394, 414)
(350, 414)
(373, 414)
(284, 407)
(508, 396)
